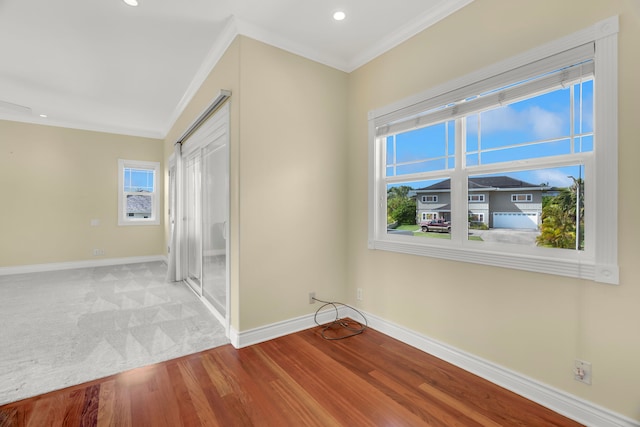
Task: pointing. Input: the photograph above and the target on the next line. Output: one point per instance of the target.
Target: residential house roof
(487, 182)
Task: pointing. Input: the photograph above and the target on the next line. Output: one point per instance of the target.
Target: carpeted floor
(67, 327)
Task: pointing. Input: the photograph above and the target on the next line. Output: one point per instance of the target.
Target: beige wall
(292, 184)
(287, 174)
(534, 324)
(54, 182)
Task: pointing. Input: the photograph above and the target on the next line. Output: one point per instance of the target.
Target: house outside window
(138, 196)
(534, 120)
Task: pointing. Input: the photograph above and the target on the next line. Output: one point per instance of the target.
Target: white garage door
(515, 220)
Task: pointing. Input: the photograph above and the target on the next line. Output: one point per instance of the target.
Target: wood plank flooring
(297, 380)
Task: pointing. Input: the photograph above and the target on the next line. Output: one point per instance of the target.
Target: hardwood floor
(297, 380)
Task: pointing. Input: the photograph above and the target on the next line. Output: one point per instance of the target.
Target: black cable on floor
(342, 323)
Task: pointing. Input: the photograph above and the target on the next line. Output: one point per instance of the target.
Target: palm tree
(559, 216)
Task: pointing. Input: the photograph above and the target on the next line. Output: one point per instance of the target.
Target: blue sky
(138, 180)
(532, 128)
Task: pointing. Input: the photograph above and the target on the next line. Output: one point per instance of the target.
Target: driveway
(507, 235)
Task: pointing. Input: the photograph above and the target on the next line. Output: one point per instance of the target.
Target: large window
(522, 157)
(138, 192)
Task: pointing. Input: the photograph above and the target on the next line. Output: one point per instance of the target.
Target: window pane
(138, 180)
(421, 209)
(391, 149)
(538, 118)
(523, 152)
(536, 127)
(583, 107)
(427, 149)
(533, 207)
(584, 144)
(139, 206)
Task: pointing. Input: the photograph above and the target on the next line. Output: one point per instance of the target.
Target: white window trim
(481, 198)
(434, 199)
(600, 266)
(123, 219)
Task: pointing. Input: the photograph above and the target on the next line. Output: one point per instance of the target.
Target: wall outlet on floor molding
(312, 295)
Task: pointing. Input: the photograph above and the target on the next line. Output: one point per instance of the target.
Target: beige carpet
(67, 327)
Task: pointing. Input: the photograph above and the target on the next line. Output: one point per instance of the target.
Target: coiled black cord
(347, 324)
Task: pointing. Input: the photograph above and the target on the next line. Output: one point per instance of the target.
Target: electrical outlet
(582, 371)
(98, 252)
(312, 295)
(359, 294)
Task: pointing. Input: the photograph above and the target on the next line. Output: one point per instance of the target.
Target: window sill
(128, 223)
(571, 266)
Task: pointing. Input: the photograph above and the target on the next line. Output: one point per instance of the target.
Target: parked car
(439, 225)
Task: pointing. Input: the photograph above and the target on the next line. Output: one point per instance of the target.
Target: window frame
(600, 263)
(123, 218)
(424, 199)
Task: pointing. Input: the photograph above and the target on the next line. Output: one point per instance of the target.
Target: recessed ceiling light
(339, 15)
(131, 2)
(43, 116)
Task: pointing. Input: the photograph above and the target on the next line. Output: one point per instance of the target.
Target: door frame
(214, 127)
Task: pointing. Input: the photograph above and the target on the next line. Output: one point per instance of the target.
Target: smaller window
(476, 197)
(429, 199)
(521, 197)
(138, 199)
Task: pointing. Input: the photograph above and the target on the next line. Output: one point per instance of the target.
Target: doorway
(204, 258)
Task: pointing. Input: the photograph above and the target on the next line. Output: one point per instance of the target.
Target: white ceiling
(102, 65)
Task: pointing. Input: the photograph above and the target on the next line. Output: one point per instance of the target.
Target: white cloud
(555, 177)
(500, 120)
(545, 124)
(540, 122)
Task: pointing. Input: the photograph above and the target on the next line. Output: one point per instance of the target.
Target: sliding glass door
(205, 210)
(214, 214)
(193, 221)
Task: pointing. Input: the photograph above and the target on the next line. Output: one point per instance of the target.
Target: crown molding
(231, 30)
(410, 29)
(222, 43)
(237, 27)
(256, 32)
(79, 125)
(422, 22)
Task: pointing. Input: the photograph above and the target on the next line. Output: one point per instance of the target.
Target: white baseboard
(280, 329)
(55, 266)
(559, 401)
